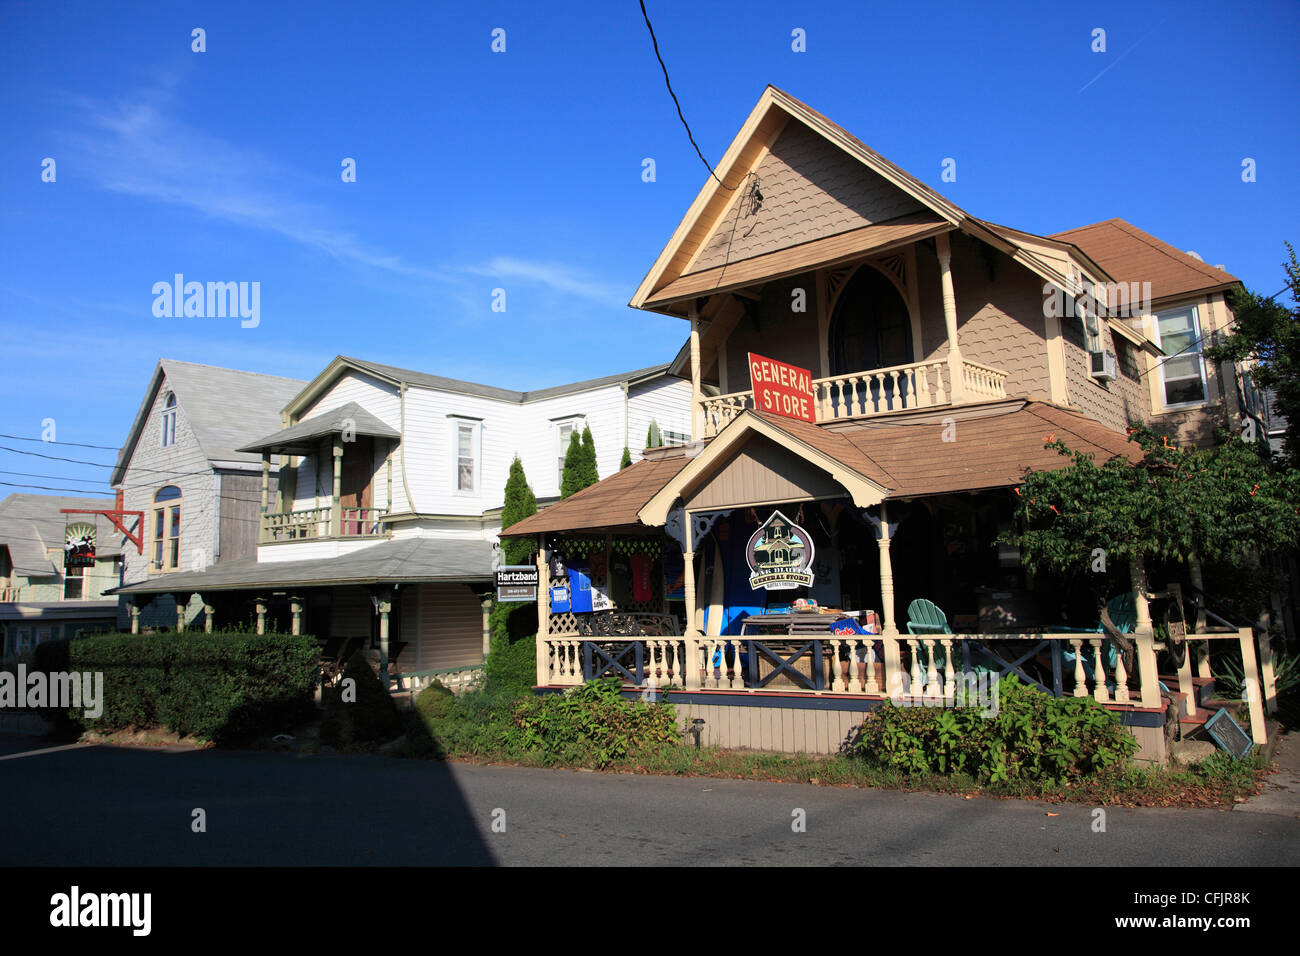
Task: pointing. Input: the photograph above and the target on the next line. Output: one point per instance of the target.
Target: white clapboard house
(379, 504)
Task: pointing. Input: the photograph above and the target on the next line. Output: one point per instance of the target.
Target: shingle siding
(811, 189)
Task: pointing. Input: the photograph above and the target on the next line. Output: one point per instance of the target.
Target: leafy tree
(653, 437)
(1269, 333)
(570, 476)
(590, 473)
(627, 459)
(520, 502)
(1224, 503)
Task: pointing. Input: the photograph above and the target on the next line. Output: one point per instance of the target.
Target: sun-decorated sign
(780, 555)
(79, 545)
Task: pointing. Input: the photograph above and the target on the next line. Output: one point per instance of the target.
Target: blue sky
(522, 170)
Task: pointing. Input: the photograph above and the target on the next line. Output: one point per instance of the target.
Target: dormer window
(168, 434)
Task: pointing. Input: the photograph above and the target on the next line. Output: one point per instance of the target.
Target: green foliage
(590, 725)
(1268, 334)
(590, 474)
(511, 668)
(226, 687)
(370, 718)
(520, 503)
(1032, 737)
(653, 437)
(571, 475)
(626, 460)
(1222, 503)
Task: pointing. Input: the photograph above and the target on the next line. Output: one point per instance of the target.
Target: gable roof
(30, 525)
(301, 439)
(405, 376)
(223, 407)
(1131, 255)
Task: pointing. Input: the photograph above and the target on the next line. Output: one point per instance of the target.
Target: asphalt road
(90, 806)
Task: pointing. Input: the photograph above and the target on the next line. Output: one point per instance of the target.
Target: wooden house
(942, 350)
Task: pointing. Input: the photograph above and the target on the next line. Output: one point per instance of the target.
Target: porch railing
(920, 670)
(11, 595)
(312, 523)
(872, 392)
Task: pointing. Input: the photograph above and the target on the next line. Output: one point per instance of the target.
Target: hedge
(224, 686)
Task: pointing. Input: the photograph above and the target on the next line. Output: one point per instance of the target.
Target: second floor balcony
(318, 523)
(874, 392)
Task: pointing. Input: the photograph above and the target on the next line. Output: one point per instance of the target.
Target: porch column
(296, 606)
(543, 613)
(182, 605)
(384, 606)
(695, 374)
(208, 612)
(893, 662)
(266, 478)
(1144, 637)
(336, 514)
(487, 624)
(693, 663)
(956, 376)
(134, 611)
(260, 605)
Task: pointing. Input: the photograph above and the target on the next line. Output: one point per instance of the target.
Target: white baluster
(873, 686)
(1100, 693)
(949, 671)
(931, 670)
(915, 673)
(1080, 680)
(940, 396)
(1121, 679)
(837, 679)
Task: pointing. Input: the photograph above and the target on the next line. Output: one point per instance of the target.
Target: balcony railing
(313, 523)
(872, 392)
(11, 595)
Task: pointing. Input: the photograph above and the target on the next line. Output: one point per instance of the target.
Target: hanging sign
(517, 582)
(780, 555)
(79, 545)
(781, 389)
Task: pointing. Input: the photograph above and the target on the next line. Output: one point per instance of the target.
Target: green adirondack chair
(1123, 614)
(925, 617)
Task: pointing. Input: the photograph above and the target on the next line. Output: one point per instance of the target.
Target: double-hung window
(1182, 372)
(166, 529)
(465, 451)
(564, 431)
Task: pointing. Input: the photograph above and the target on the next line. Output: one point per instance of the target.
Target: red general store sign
(781, 389)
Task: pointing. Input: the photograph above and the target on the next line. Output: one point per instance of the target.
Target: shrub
(1032, 737)
(511, 668)
(362, 713)
(590, 725)
(226, 686)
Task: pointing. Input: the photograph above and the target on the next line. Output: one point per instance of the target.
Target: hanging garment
(642, 567)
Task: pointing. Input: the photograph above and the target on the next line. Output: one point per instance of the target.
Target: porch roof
(612, 503)
(907, 456)
(301, 439)
(802, 258)
(405, 559)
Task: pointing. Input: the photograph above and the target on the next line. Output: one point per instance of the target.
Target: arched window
(166, 537)
(168, 436)
(870, 327)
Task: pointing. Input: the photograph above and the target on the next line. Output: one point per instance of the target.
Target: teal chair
(1123, 614)
(925, 617)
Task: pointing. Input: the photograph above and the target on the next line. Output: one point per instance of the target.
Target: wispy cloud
(551, 275)
(138, 147)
